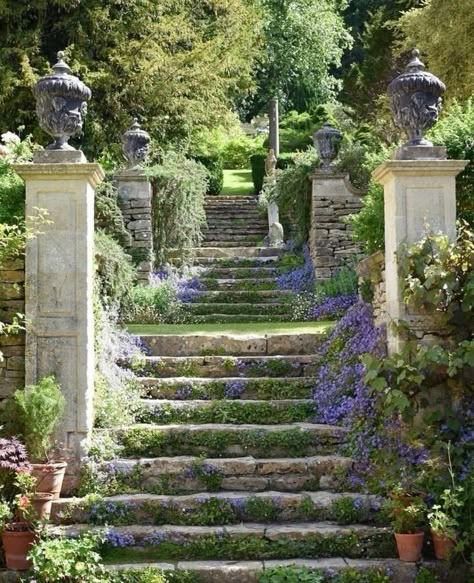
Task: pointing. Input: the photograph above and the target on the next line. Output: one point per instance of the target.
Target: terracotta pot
(16, 545)
(42, 503)
(443, 545)
(49, 477)
(409, 546)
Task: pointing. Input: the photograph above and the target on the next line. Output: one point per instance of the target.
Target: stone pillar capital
(417, 169)
(90, 172)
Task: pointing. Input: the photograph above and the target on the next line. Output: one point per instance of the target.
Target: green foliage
(347, 510)
(257, 163)
(215, 172)
(175, 65)
(40, 408)
(408, 519)
(296, 131)
(115, 275)
(449, 51)
(299, 77)
(153, 304)
(293, 193)
(108, 216)
(179, 186)
(294, 574)
(344, 282)
(238, 151)
(72, 560)
(152, 575)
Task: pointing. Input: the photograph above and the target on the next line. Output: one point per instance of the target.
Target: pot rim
(42, 496)
(419, 533)
(49, 466)
(27, 528)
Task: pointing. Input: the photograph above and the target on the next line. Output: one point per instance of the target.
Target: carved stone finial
(61, 104)
(135, 144)
(416, 100)
(327, 141)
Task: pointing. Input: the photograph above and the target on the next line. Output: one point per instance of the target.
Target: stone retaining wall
(371, 273)
(12, 301)
(330, 238)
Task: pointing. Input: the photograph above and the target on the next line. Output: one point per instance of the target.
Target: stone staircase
(224, 474)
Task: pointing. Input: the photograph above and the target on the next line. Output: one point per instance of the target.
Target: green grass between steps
(237, 182)
(241, 328)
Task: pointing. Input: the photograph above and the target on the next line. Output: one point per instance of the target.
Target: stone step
(271, 412)
(228, 440)
(245, 309)
(234, 234)
(182, 388)
(271, 260)
(251, 571)
(237, 251)
(230, 243)
(272, 541)
(236, 224)
(230, 344)
(241, 272)
(218, 367)
(228, 508)
(238, 319)
(182, 474)
(243, 284)
(261, 296)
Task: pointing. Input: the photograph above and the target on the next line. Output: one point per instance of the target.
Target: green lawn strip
(242, 328)
(237, 182)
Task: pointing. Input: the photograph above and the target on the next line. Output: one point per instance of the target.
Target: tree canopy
(177, 64)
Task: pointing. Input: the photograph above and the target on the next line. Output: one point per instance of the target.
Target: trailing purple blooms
(234, 389)
(332, 307)
(300, 279)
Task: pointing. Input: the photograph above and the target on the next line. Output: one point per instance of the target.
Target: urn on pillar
(61, 104)
(327, 141)
(135, 144)
(416, 101)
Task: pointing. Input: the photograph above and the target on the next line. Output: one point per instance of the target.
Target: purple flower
(119, 540)
(154, 539)
(332, 307)
(300, 279)
(183, 393)
(238, 504)
(234, 389)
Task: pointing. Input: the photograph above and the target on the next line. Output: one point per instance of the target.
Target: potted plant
(40, 408)
(443, 520)
(407, 523)
(18, 534)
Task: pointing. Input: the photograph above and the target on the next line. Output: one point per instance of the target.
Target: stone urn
(135, 144)
(416, 100)
(327, 141)
(61, 104)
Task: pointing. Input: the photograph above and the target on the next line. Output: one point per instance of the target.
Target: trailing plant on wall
(179, 187)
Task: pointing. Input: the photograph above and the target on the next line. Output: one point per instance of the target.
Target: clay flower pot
(49, 477)
(17, 540)
(443, 545)
(42, 503)
(409, 546)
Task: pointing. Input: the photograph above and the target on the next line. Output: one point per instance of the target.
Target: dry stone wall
(330, 240)
(12, 301)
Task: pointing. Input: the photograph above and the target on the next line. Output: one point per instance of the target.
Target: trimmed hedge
(215, 170)
(257, 161)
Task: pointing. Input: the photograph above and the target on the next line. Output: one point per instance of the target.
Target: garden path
(224, 473)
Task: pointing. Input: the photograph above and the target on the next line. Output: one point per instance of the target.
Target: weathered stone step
(233, 388)
(271, 412)
(228, 344)
(261, 296)
(250, 571)
(272, 541)
(236, 224)
(230, 243)
(228, 508)
(272, 260)
(217, 367)
(239, 318)
(228, 440)
(245, 309)
(172, 475)
(243, 284)
(246, 228)
(241, 272)
(238, 251)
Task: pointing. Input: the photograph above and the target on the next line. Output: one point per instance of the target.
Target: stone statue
(270, 163)
(416, 100)
(327, 141)
(61, 104)
(135, 144)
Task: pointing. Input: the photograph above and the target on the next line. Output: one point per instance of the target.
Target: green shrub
(12, 194)
(40, 407)
(296, 130)
(151, 304)
(215, 172)
(72, 560)
(179, 187)
(237, 151)
(115, 275)
(108, 216)
(257, 163)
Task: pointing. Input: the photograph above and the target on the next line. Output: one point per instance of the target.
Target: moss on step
(238, 308)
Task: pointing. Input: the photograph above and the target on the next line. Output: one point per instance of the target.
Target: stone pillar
(330, 237)
(419, 195)
(135, 196)
(59, 285)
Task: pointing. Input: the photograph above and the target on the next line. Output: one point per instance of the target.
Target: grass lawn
(238, 328)
(237, 182)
